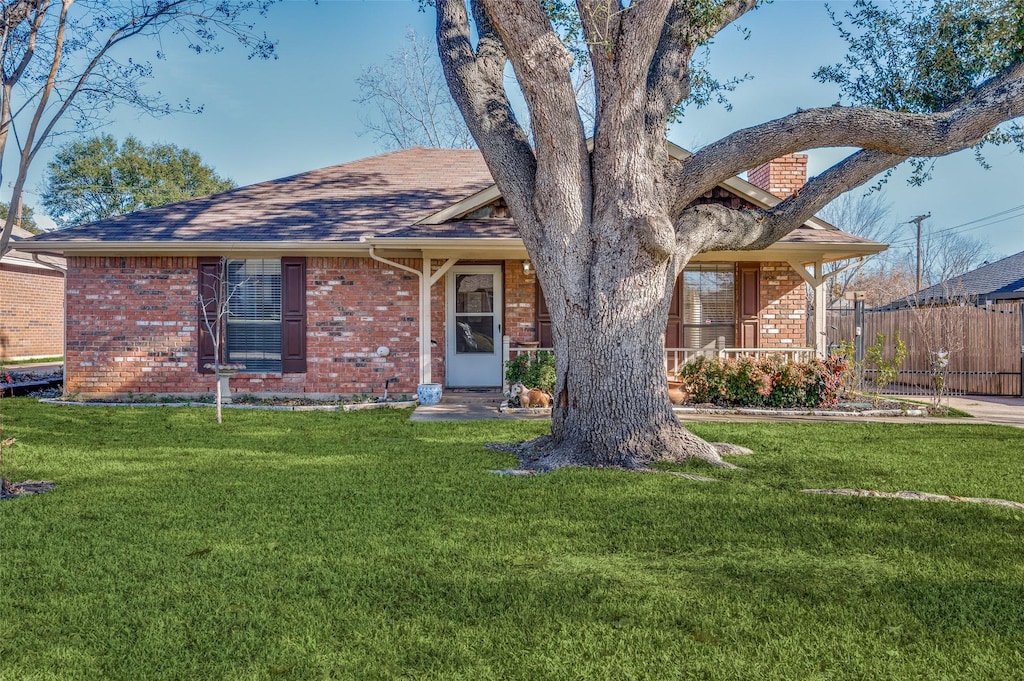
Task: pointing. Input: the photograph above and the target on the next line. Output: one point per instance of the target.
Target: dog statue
(532, 397)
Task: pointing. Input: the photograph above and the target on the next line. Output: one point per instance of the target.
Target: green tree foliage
(924, 56)
(95, 179)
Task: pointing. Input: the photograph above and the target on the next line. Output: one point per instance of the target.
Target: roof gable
(734, 185)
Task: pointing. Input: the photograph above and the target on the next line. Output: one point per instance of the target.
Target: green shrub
(534, 370)
(769, 381)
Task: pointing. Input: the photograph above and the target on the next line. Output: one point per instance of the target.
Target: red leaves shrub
(769, 381)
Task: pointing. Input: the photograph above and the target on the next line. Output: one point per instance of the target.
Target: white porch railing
(677, 357)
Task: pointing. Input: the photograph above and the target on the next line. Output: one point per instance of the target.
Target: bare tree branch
(79, 76)
(669, 77)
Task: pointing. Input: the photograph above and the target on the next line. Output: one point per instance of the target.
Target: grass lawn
(363, 546)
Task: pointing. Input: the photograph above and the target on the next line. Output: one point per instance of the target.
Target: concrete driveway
(1003, 411)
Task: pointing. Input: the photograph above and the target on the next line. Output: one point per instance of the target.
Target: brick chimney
(782, 176)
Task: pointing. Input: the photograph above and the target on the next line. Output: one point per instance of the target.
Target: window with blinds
(709, 305)
(253, 328)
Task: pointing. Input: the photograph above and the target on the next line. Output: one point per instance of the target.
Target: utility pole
(917, 221)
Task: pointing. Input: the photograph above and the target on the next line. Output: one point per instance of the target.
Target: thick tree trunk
(611, 401)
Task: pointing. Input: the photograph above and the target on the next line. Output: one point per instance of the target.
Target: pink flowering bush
(770, 381)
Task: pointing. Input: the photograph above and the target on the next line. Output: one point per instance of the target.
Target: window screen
(253, 334)
(709, 305)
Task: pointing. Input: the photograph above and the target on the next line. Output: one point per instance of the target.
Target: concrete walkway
(458, 405)
(464, 405)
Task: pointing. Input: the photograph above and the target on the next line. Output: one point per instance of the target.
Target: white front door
(473, 304)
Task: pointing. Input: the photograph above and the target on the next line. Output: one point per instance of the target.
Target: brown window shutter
(209, 273)
(674, 328)
(293, 315)
(748, 294)
(543, 320)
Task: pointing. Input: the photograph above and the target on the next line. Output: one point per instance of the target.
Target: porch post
(817, 282)
(427, 281)
(425, 329)
(820, 302)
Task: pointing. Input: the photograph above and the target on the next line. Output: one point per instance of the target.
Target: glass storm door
(473, 304)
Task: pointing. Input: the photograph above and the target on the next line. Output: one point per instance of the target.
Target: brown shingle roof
(341, 203)
(382, 196)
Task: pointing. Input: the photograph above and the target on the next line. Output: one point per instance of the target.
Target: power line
(987, 221)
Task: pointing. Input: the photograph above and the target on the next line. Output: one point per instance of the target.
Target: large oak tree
(610, 225)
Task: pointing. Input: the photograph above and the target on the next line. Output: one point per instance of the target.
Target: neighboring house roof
(417, 199)
(20, 258)
(1000, 280)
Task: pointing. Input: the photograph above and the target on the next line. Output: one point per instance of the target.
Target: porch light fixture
(526, 266)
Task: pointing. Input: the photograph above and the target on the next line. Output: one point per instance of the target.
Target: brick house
(401, 266)
(31, 303)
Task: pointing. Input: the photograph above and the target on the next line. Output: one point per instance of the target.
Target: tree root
(729, 449)
(543, 454)
(916, 496)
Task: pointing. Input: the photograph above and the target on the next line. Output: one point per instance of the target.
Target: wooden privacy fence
(983, 344)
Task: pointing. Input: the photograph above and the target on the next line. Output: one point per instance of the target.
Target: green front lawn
(363, 546)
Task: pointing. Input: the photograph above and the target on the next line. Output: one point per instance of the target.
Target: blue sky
(264, 120)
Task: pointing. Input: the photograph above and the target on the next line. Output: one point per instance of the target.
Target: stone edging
(748, 411)
(260, 407)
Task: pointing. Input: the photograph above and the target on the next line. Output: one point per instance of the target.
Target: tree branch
(964, 124)
(713, 227)
(669, 74)
(476, 81)
(542, 64)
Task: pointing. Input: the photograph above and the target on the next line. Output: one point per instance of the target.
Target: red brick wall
(438, 330)
(353, 307)
(132, 327)
(31, 311)
(782, 176)
(520, 302)
(783, 317)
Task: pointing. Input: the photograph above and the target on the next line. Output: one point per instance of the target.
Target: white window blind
(709, 305)
(254, 314)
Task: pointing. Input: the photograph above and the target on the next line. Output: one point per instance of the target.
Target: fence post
(1020, 320)
(858, 330)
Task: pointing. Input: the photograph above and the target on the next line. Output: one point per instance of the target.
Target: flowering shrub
(769, 381)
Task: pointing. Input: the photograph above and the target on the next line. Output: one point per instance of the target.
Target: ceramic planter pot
(676, 395)
(429, 394)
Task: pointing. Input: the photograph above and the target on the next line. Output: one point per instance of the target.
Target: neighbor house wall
(31, 311)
